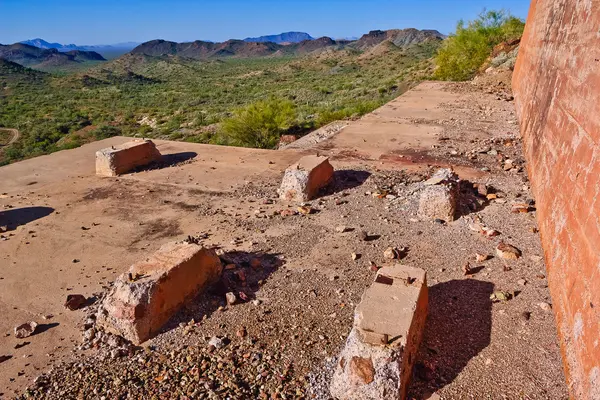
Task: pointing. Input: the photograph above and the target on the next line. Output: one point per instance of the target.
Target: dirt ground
(68, 231)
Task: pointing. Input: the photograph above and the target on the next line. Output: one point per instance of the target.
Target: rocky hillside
(34, 57)
(247, 49)
(399, 37)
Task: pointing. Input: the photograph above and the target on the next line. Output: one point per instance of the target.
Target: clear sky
(112, 21)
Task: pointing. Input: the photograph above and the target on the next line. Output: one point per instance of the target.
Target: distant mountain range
(43, 55)
(256, 47)
(39, 58)
(108, 50)
(287, 37)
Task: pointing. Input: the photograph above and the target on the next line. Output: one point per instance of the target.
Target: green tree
(260, 124)
(465, 51)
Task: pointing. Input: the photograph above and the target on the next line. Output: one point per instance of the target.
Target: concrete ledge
(303, 180)
(146, 297)
(380, 351)
(123, 158)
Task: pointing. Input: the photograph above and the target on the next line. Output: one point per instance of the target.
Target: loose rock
(25, 330)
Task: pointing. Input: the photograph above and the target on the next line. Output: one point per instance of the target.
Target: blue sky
(112, 21)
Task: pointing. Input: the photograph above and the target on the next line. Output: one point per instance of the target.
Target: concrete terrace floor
(73, 232)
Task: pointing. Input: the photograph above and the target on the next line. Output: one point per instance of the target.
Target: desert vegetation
(244, 102)
(464, 52)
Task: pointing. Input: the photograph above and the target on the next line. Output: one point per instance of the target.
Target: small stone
(216, 342)
(241, 332)
(231, 298)
(362, 235)
(507, 251)
(520, 208)
(481, 257)
(522, 282)
(287, 213)
(341, 229)
(305, 210)
(355, 256)
(75, 302)
(545, 306)
(25, 330)
(373, 267)
(467, 269)
(391, 253)
(500, 296)
(526, 315)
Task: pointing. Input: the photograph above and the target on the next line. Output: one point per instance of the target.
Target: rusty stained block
(152, 291)
(303, 180)
(381, 349)
(121, 159)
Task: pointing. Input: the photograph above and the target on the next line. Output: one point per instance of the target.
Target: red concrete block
(145, 298)
(120, 159)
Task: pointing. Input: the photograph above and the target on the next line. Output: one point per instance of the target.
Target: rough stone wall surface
(557, 92)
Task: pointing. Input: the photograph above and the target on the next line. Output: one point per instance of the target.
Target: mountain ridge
(285, 37)
(106, 50)
(200, 50)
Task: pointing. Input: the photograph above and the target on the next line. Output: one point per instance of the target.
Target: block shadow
(458, 328)
(16, 217)
(345, 180)
(241, 275)
(469, 200)
(168, 160)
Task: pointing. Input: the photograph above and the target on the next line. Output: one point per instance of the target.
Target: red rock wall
(557, 91)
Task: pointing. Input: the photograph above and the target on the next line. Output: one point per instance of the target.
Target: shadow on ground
(469, 200)
(458, 327)
(243, 275)
(345, 180)
(168, 160)
(13, 218)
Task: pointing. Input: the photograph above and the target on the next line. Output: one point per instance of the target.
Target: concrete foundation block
(145, 298)
(380, 351)
(303, 180)
(439, 198)
(123, 158)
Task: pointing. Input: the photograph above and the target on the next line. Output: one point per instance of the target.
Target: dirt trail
(69, 232)
(15, 136)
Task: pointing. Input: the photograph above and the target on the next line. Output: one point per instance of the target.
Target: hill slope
(399, 37)
(46, 59)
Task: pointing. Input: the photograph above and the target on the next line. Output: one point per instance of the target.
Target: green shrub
(465, 51)
(260, 124)
(106, 131)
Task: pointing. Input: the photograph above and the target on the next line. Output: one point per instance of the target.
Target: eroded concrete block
(123, 158)
(380, 351)
(143, 299)
(303, 180)
(439, 198)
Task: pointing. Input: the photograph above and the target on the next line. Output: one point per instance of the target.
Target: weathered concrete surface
(126, 219)
(557, 91)
(145, 298)
(117, 160)
(303, 180)
(380, 351)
